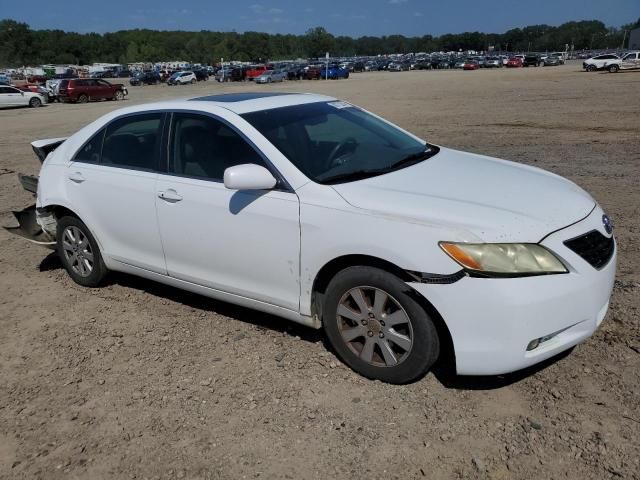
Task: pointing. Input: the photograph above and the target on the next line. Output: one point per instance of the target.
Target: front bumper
(492, 321)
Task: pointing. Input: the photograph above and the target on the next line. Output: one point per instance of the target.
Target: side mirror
(248, 177)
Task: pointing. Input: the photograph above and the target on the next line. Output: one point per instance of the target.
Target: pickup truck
(631, 61)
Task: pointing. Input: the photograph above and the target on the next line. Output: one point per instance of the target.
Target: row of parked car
(269, 73)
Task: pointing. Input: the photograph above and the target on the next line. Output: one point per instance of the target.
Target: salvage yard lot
(138, 380)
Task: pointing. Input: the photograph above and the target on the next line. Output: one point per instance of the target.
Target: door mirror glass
(248, 177)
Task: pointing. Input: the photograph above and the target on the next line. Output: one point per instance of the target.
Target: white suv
(182, 78)
(317, 211)
(600, 62)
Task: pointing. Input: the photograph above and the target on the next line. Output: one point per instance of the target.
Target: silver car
(271, 76)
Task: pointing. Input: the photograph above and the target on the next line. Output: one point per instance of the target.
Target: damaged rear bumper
(37, 227)
(35, 224)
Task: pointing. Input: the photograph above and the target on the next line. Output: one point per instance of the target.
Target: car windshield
(335, 142)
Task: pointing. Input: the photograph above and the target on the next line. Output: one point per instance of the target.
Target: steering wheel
(333, 159)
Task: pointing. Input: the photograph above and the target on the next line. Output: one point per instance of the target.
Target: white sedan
(13, 97)
(315, 210)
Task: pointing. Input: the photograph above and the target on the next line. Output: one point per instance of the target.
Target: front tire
(35, 102)
(79, 252)
(377, 327)
(118, 96)
(613, 68)
(591, 68)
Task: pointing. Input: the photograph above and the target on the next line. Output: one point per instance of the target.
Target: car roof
(246, 102)
(239, 103)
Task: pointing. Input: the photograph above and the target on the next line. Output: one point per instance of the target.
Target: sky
(340, 17)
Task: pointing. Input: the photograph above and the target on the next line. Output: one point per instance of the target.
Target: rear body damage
(38, 225)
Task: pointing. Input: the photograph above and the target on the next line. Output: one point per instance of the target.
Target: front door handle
(170, 196)
(76, 177)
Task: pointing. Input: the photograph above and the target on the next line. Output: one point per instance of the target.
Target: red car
(255, 72)
(313, 72)
(514, 62)
(471, 65)
(82, 90)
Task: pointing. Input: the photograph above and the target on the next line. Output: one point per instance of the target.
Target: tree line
(20, 45)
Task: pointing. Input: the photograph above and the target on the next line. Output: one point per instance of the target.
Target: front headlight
(504, 259)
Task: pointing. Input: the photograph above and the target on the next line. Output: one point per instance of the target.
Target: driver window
(203, 147)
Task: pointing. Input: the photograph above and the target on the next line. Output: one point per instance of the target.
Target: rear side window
(91, 150)
(133, 142)
(203, 147)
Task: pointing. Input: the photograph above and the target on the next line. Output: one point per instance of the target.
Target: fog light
(533, 344)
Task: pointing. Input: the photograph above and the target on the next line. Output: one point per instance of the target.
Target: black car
(201, 75)
(295, 72)
(145, 78)
(531, 61)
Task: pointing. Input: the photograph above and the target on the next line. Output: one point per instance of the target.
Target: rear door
(111, 183)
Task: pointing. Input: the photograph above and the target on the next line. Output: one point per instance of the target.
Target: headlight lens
(509, 259)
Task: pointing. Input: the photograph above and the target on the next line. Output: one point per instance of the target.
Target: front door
(245, 243)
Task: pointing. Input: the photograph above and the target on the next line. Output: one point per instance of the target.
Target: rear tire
(376, 326)
(193, 81)
(83, 98)
(79, 252)
(35, 102)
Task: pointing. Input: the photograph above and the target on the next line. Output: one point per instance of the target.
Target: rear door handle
(76, 177)
(170, 196)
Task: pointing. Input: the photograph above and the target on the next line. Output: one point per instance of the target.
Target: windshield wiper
(352, 176)
(430, 151)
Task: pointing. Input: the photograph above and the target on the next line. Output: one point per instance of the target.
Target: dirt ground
(138, 380)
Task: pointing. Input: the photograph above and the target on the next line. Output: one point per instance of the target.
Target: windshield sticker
(340, 105)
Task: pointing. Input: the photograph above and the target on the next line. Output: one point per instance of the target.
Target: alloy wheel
(77, 251)
(374, 326)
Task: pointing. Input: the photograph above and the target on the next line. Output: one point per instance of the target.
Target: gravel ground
(138, 380)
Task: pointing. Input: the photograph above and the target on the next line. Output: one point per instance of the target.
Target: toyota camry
(317, 211)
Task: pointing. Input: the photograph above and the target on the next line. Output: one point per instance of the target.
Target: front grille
(594, 247)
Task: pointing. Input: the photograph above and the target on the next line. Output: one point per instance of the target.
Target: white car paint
(13, 97)
(601, 62)
(183, 78)
(264, 249)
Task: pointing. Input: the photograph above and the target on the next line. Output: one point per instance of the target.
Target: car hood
(493, 200)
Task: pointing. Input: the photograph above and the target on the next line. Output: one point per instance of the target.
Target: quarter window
(204, 147)
(133, 142)
(91, 150)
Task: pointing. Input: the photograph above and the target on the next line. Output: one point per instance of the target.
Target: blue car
(335, 72)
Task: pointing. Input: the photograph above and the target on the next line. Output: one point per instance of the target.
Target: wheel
(377, 327)
(83, 98)
(118, 96)
(614, 68)
(79, 252)
(591, 68)
(193, 81)
(35, 102)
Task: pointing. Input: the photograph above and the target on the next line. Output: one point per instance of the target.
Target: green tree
(318, 41)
